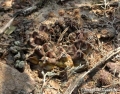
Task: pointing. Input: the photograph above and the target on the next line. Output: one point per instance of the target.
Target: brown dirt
(41, 52)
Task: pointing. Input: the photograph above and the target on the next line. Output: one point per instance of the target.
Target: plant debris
(58, 41)
(103, 78)
(113, 68)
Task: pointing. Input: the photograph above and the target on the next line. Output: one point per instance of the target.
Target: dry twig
(61, 36)
(105, 4)
(24, 12)
(2, 30)
(50, 74)
(80, 78)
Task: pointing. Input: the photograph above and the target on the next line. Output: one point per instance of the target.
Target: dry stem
(2, 30)
(80, 78)
(61, 36)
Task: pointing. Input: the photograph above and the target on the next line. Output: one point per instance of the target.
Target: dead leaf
(65, 61)
(33, 60)
(10, 30)
(69, 62)
(49, 67)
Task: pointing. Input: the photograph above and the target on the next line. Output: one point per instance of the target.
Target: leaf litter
(72, 39)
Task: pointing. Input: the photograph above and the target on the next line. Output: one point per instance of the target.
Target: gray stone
(14, 82)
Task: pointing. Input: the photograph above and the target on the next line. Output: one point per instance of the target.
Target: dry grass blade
(25, 11)
(61, 36)
(111, 3)
(2, 30)
(79, 80)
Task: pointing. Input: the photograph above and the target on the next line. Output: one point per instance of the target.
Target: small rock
(17, 56)
(108, 32)
(13, 50)
(12, 81)
(19, 64)
(61, 12)
(17, 43)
